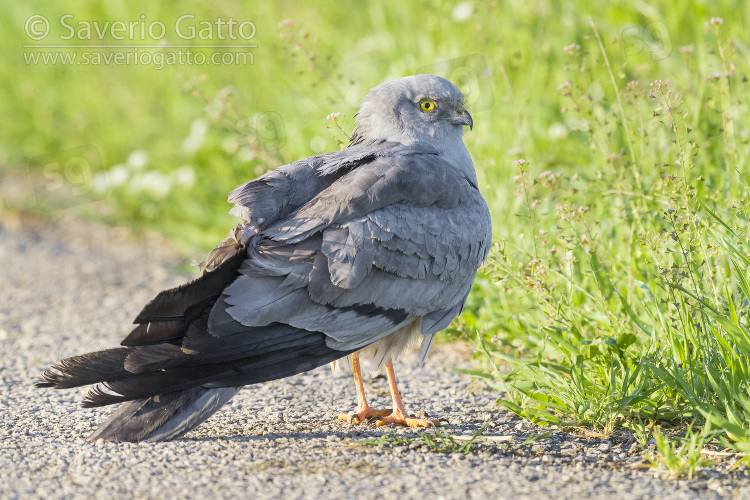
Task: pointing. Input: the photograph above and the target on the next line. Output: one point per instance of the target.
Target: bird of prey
(352, 254)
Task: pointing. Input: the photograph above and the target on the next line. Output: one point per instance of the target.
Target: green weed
(680, 461)
(530, 439)
(435, 439)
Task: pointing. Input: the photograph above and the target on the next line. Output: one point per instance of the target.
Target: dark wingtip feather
(49, 379)
(86, 369)
(97, 396)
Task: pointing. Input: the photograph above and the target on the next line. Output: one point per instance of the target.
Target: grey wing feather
(276, 194)
(384, 244)
(415, 179)
(420, 278)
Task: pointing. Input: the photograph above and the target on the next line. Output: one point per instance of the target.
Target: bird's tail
(163, 417)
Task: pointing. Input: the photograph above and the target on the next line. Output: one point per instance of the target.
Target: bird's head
(414, 108)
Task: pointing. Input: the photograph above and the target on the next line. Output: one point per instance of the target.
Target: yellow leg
(363, 409)
(398, 416)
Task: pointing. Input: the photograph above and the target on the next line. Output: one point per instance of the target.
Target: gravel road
(69, 287)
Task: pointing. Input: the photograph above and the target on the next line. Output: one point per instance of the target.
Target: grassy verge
(630, 280)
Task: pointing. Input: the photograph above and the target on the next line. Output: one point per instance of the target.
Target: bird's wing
(261, 202)
(395, 239)
(279, 192)
(411, 179)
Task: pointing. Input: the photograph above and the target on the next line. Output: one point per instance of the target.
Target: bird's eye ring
(427, 105)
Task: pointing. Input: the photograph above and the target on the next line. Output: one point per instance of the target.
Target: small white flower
(318, 144)
(137, 159)
(156, 184)
(184, 176)
(462, 11)
(198, 130)
(117, 175)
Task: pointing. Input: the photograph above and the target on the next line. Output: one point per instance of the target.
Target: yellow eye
(427, 105)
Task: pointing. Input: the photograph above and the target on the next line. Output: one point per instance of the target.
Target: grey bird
(353, 254)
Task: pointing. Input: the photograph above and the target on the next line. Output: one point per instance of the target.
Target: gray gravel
(67, 291)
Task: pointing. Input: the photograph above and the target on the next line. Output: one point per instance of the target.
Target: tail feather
(307, 352)
(163, 417)
(99, 366)
(143, 385)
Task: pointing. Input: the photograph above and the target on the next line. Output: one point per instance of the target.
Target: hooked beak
(463, 117)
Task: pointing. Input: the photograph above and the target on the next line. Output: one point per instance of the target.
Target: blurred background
(157, 144)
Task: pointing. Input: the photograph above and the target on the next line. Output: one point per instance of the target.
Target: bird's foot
(364, 415)
(400, 418)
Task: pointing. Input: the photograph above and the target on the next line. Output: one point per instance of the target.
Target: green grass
(611, 144)
(680, 461)
(625, 291)
(435, 440)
